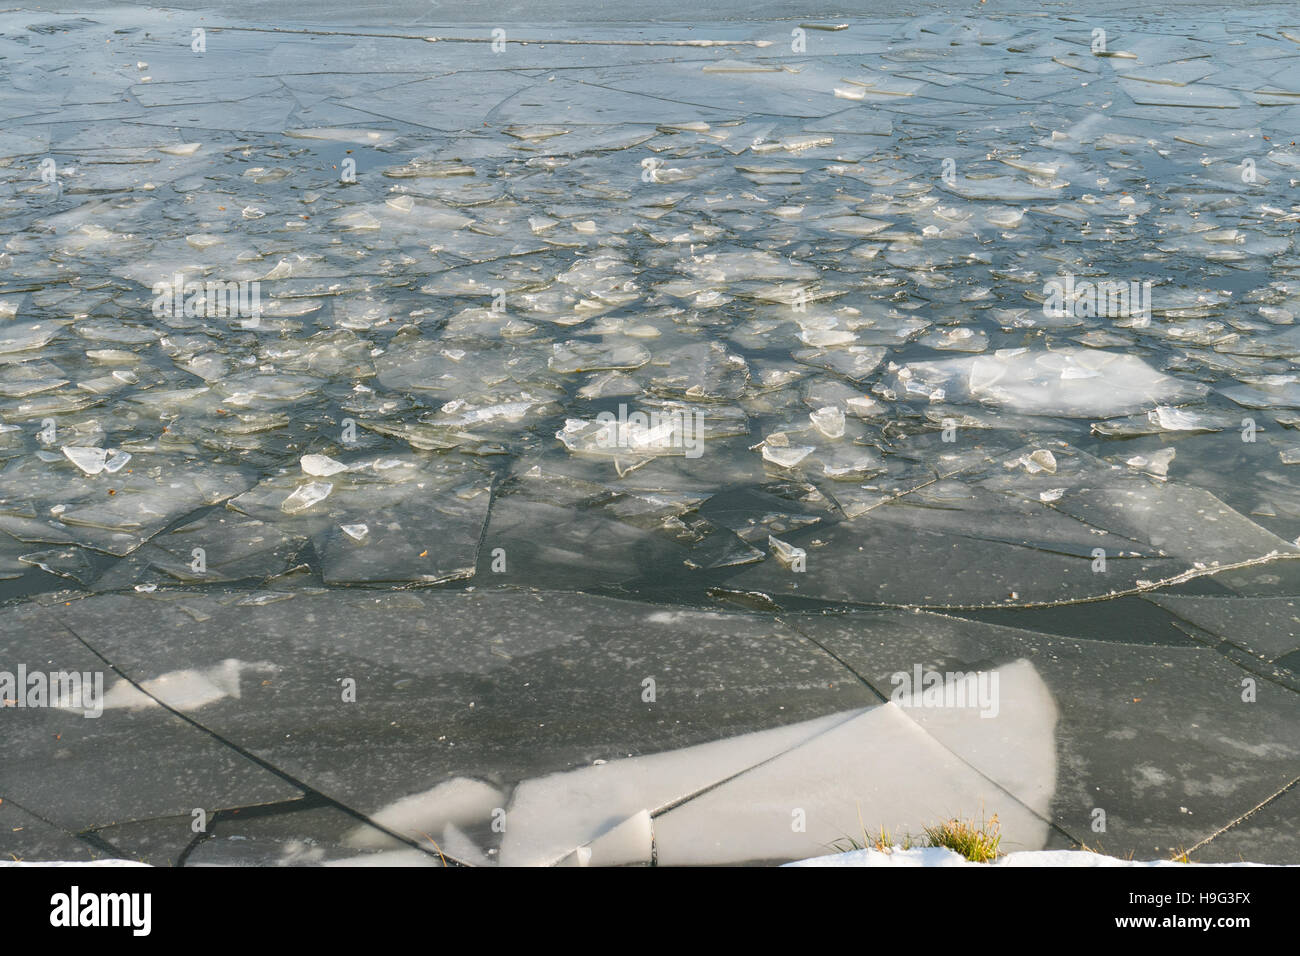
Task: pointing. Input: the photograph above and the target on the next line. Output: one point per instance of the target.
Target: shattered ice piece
(429, 169)
(1157, 464)
(855, 362)
(1037, 462)
(1075, 382)
(787, 553)
(89, 460)
(181, 149)
(369, 137)
(863, 406)
(27, 335)
(824, 338)
(68, 563)
(116, 462)
(112, 355)
(853, 226)
(649, 438)
(575, 356)
(1005, 218)
(261, 600)
(829, 421)
(1050, 495)
(304, 496)
(1177, 419)
(321, 466)
(1043, 460)
(357, 532)
(786, 456)
(612, 438)
(956, 340)
(849, 464)
(535, 133)
(359, 220)
(187, 689)
(1205, 97)
(1290, 456)
(610, 383)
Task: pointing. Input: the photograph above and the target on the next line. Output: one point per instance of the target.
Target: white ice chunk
(116, 462)
(550, 816)
(459, 801)
(321, 466)
(630, 842)
(786, 456)
(938, 760)
(89, 460)
(785, 552)
(1074, 382)
(187, 689)
(829, 421)
(1178, 419)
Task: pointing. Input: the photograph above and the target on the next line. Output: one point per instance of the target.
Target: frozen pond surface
(543, 446)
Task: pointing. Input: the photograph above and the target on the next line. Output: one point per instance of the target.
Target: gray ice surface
(585, 423)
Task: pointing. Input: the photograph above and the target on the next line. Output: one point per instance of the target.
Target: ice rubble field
(832, 260)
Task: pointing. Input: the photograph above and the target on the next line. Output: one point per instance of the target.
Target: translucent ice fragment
(116, 462)
(1040, 461)
(785, 552)
(829, 421)
(321, 466)
(304, 496)
(357, 532)
(1178, 419)
(1156, 464)
(1072, 381)
(89, 460)
(786, 456)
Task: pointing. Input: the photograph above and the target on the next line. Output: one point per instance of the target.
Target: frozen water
(404, 356)
(1070, 382)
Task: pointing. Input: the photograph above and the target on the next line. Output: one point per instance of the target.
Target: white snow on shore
(940, 856)
(96, 863)
(920, 856)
